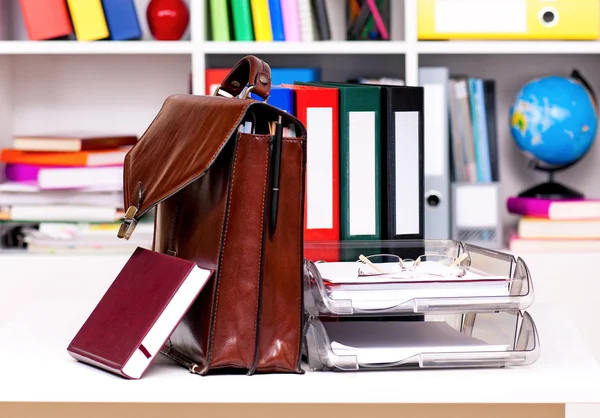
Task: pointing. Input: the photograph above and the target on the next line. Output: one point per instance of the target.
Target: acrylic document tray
(482, 340)
(338, 283)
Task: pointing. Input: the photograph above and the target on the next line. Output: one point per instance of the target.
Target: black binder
(402, 130)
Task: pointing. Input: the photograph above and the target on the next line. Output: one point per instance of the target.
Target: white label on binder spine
(362, 204)
(319, 170)
(408, 196)
(480, 16)
(435, 134)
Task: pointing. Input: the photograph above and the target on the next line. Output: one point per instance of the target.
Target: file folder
(360, 156)
(122, 20)
(88, 19)
(318, 109)
(402, 129)
(436, 198)
(508, 19)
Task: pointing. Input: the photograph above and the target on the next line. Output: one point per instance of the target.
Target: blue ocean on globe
(554, 119)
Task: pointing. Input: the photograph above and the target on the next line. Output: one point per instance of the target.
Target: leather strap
(249, 71)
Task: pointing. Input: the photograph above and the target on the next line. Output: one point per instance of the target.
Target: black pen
(277, 139)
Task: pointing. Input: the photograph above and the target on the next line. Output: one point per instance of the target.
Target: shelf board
(318, 47)
(508, 47)
(96, 47)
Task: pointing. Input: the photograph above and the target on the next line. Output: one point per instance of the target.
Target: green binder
(242, 20)
(219, 20)
(360, 156)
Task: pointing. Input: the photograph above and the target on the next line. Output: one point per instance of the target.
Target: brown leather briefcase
(228, 187)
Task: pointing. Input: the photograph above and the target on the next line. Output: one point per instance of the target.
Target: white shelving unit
(120, 86)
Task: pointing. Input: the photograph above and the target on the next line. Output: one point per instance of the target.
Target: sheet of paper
(432, 271)
(374, 342)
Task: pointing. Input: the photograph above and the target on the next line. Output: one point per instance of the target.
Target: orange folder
(67, 159)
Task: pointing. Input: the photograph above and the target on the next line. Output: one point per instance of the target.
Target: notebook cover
(122, 19)
(87, 143)
(242, 20)
(70, 159)
(45, 19)
(88, 19)
(117, 326)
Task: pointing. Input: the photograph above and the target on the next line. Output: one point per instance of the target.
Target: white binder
(437, 157)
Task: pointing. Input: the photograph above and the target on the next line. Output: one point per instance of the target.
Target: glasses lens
(385, 263)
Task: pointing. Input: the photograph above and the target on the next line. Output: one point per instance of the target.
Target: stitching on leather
(212, 333)
(300, 232)
(196, 174)
(260, 259)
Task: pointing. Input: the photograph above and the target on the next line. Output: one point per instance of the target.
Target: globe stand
(551, 189)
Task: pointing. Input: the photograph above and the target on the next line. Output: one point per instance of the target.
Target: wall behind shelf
(511, 72)
(109, 93)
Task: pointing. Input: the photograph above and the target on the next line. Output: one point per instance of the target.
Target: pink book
(568, 209)
(291, 20)
(56, 177)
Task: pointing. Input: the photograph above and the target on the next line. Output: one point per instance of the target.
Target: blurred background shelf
(99, 47)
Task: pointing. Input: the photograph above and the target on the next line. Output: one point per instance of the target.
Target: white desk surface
(44, 300)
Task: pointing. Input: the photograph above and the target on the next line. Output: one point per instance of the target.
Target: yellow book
(261, 19)
(88, 19)
(508, 19)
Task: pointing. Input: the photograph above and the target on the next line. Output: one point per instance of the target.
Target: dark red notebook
(138, 313)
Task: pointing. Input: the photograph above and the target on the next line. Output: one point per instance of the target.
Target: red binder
(46, 19)
(318, 109)
(213, 77)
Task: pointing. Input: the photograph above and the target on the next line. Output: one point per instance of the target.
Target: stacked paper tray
(510, 290)
(437, 341)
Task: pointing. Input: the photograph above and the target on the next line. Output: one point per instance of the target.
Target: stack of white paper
(374, 342)
(342, 282)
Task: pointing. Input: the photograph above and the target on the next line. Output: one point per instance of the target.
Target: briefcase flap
(179, 146)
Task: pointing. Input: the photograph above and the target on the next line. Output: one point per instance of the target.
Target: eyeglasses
(393, 266)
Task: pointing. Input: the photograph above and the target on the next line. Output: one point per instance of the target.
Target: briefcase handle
(250, 72)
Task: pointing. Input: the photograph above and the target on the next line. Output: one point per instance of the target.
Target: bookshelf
(120, 86)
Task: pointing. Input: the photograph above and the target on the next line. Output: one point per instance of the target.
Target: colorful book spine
(262, 20)
(219, 17)
(88, 19)
(291, 20)
(276, 20)
(122, 20)
(45, 19)
(242, 20)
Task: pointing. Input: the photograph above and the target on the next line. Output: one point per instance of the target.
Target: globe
(553, 120)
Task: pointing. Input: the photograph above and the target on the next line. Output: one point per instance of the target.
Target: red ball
(168, 19)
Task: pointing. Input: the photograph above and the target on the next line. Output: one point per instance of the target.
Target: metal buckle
(129, 223)
(247, 92)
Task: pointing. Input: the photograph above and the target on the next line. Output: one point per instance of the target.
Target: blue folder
(276, 20)
(290, 75)
(122, 20)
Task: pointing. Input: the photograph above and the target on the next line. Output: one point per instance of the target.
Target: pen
(275, 175)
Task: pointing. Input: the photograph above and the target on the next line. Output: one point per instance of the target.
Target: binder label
(436, 131)
(408, 196)
(319, 168)
(491, 16)
(362, 205)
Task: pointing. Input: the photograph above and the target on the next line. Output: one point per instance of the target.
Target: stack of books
(83, 20)
(555, 225)
(299, 20)
(64, 191)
